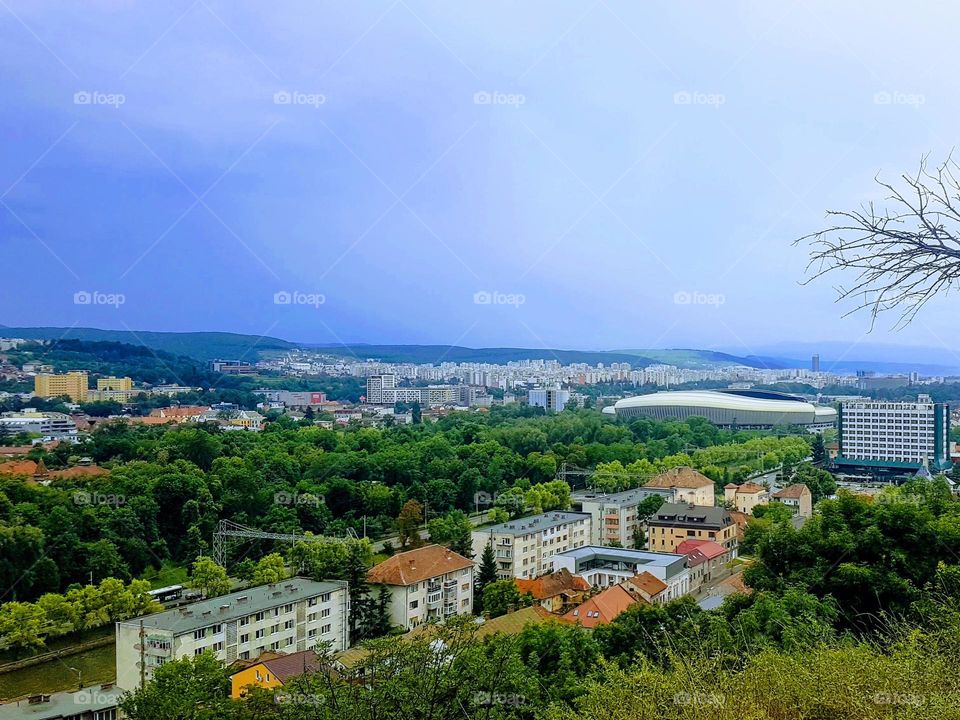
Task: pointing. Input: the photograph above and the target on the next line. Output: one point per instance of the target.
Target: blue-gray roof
(535, 523)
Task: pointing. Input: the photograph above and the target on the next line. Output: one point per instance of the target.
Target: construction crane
(227, 529)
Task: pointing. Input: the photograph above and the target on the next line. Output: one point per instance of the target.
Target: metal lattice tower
(228, 529)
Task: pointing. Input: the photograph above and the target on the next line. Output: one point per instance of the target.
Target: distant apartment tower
(293, 615)
(553, 399)
(815, 363)
(894, 435)
(525, 547)
(376, 384)
(73, 384)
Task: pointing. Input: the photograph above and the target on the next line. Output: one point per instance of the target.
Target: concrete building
(746, 497)
(98, 702)
(798, 498)
(607, 566)
(689, 485)
(894, 436)
(673, 523)
(613, 516)
(290, 616)
(705, 559)
(295, 399)
(429, 583)
(49, 425)
(376, 384)
(526, 547)
(73, 384)
(552, 399)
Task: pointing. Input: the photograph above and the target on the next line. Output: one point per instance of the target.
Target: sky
(592, 175)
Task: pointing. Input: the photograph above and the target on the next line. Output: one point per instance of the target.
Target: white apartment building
(429, 583)
(553, 399)
(47, 424)
(895, 435)
(524, 548)
(376, 384)
(613, 516)
(289, 616)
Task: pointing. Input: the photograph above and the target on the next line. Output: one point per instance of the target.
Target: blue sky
(583, 174)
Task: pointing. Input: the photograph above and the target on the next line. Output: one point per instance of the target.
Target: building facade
(376, 384)
(614, 517)
(73, 384)
(689, 485)
(607, 566)
(746, 497)
(552, 399)
(290, 616)
(673, 523)
(526, 547)
(429, 583)
(798, 498)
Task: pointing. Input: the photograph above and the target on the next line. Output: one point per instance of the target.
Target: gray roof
(535, 523)
(63, 704)
(236, 605)
(596, 555)
(625, 497)
(683, 515)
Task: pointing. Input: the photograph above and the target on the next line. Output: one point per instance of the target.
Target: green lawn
(169, 574)
(97, 666)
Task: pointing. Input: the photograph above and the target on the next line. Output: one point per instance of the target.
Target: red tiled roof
(548, 586)
(649, 584)
(414, 566)
(601, 608)
(700, 550)
(288, 666)
(682, 477)
(792, 492)
(749, 489)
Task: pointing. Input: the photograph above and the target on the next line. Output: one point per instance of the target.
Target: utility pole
(143, 664)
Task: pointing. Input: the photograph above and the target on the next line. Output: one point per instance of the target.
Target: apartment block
(290, 616)
(72, 384)
(674, 522)
(429, 583)
(376, 384)
(553, 399)
(525, 548)
(613, 516)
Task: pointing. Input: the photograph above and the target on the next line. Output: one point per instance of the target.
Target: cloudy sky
(605, 174)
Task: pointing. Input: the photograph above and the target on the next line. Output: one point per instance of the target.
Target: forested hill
(435, 354)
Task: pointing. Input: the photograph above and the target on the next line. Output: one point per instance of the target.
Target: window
(259, 616)
(259, 634)
(289, 642)
(275, 646)
(325, 629)
(414, 604)
(312, 617)
(198, 651)
(245, 620)
(312, 633)
(217, 628)
(325, 597)
(288, 625)
(325, 612)
(245, 638)
(312, 601)
(288, 608)
(199, 634)
(217, 647)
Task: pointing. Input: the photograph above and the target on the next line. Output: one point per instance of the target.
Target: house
(798, 498)
(706, 560)
(673, 523)
(429, 583)
(525, 547)
(646, 587)
(556, 592)
(603, 567)
(602, 608)
(271, 670)
(745, 497)
(689, 485)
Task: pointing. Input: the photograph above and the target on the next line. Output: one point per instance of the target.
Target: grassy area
(96, 666)
(169, 574)
(59, 643)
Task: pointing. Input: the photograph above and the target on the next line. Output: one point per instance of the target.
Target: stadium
(728, 408)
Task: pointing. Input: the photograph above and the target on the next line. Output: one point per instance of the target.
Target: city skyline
(403, 173)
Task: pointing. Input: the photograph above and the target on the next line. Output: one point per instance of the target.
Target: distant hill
(455, 353)
(689, 358)
(197, 345)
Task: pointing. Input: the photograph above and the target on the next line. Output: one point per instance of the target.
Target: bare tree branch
(903, 255)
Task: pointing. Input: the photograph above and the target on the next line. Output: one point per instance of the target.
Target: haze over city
(564, 174)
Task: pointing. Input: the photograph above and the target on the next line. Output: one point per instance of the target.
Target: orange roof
(414, 566)
(682, 477)
(18, 467)
(648, 584)
(80, 471)
(749, 489)
(699, 551)
(15, 450)
(285, 667)
(186, 411)
(601, 608)
(793, 492)
(548, 586)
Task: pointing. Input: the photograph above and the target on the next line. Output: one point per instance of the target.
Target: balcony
(433, 599)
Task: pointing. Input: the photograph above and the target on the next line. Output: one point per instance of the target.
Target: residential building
(652, 590)
(745, 497)
(73, 384)
(675, 522)
(556, 592)
(689, 485)
(295, 399)
(607, 566)
(798, 498)
(50, 425)
(114, 383)
(376, 384)
(894, 436)
(290, 616)
(233, 419)
(552, 399)
(602, 607)
(429, 583)
(706, 559)
(526, 547)
(270, 671)
(232, 367)
(614, 517)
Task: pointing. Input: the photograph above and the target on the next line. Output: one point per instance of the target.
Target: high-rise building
(553, 398)
(376, 384)
(895, 435)
(815, 364)
(74, 384)
(524, 548)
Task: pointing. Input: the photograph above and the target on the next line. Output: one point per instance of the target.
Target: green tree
(192, 688)
(270, 569)
(453, 530)
(485, 575)
(502, 596)
(208, 577)
(819, 449)
(408, 525)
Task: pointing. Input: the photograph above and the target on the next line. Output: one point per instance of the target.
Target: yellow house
(73, 384)
(270, 671)
(674, 523)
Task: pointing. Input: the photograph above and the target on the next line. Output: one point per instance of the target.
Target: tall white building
(429, 583)
(524, 548)
(376, 384)
(895, 435)
(553, 398)
(293, 615)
